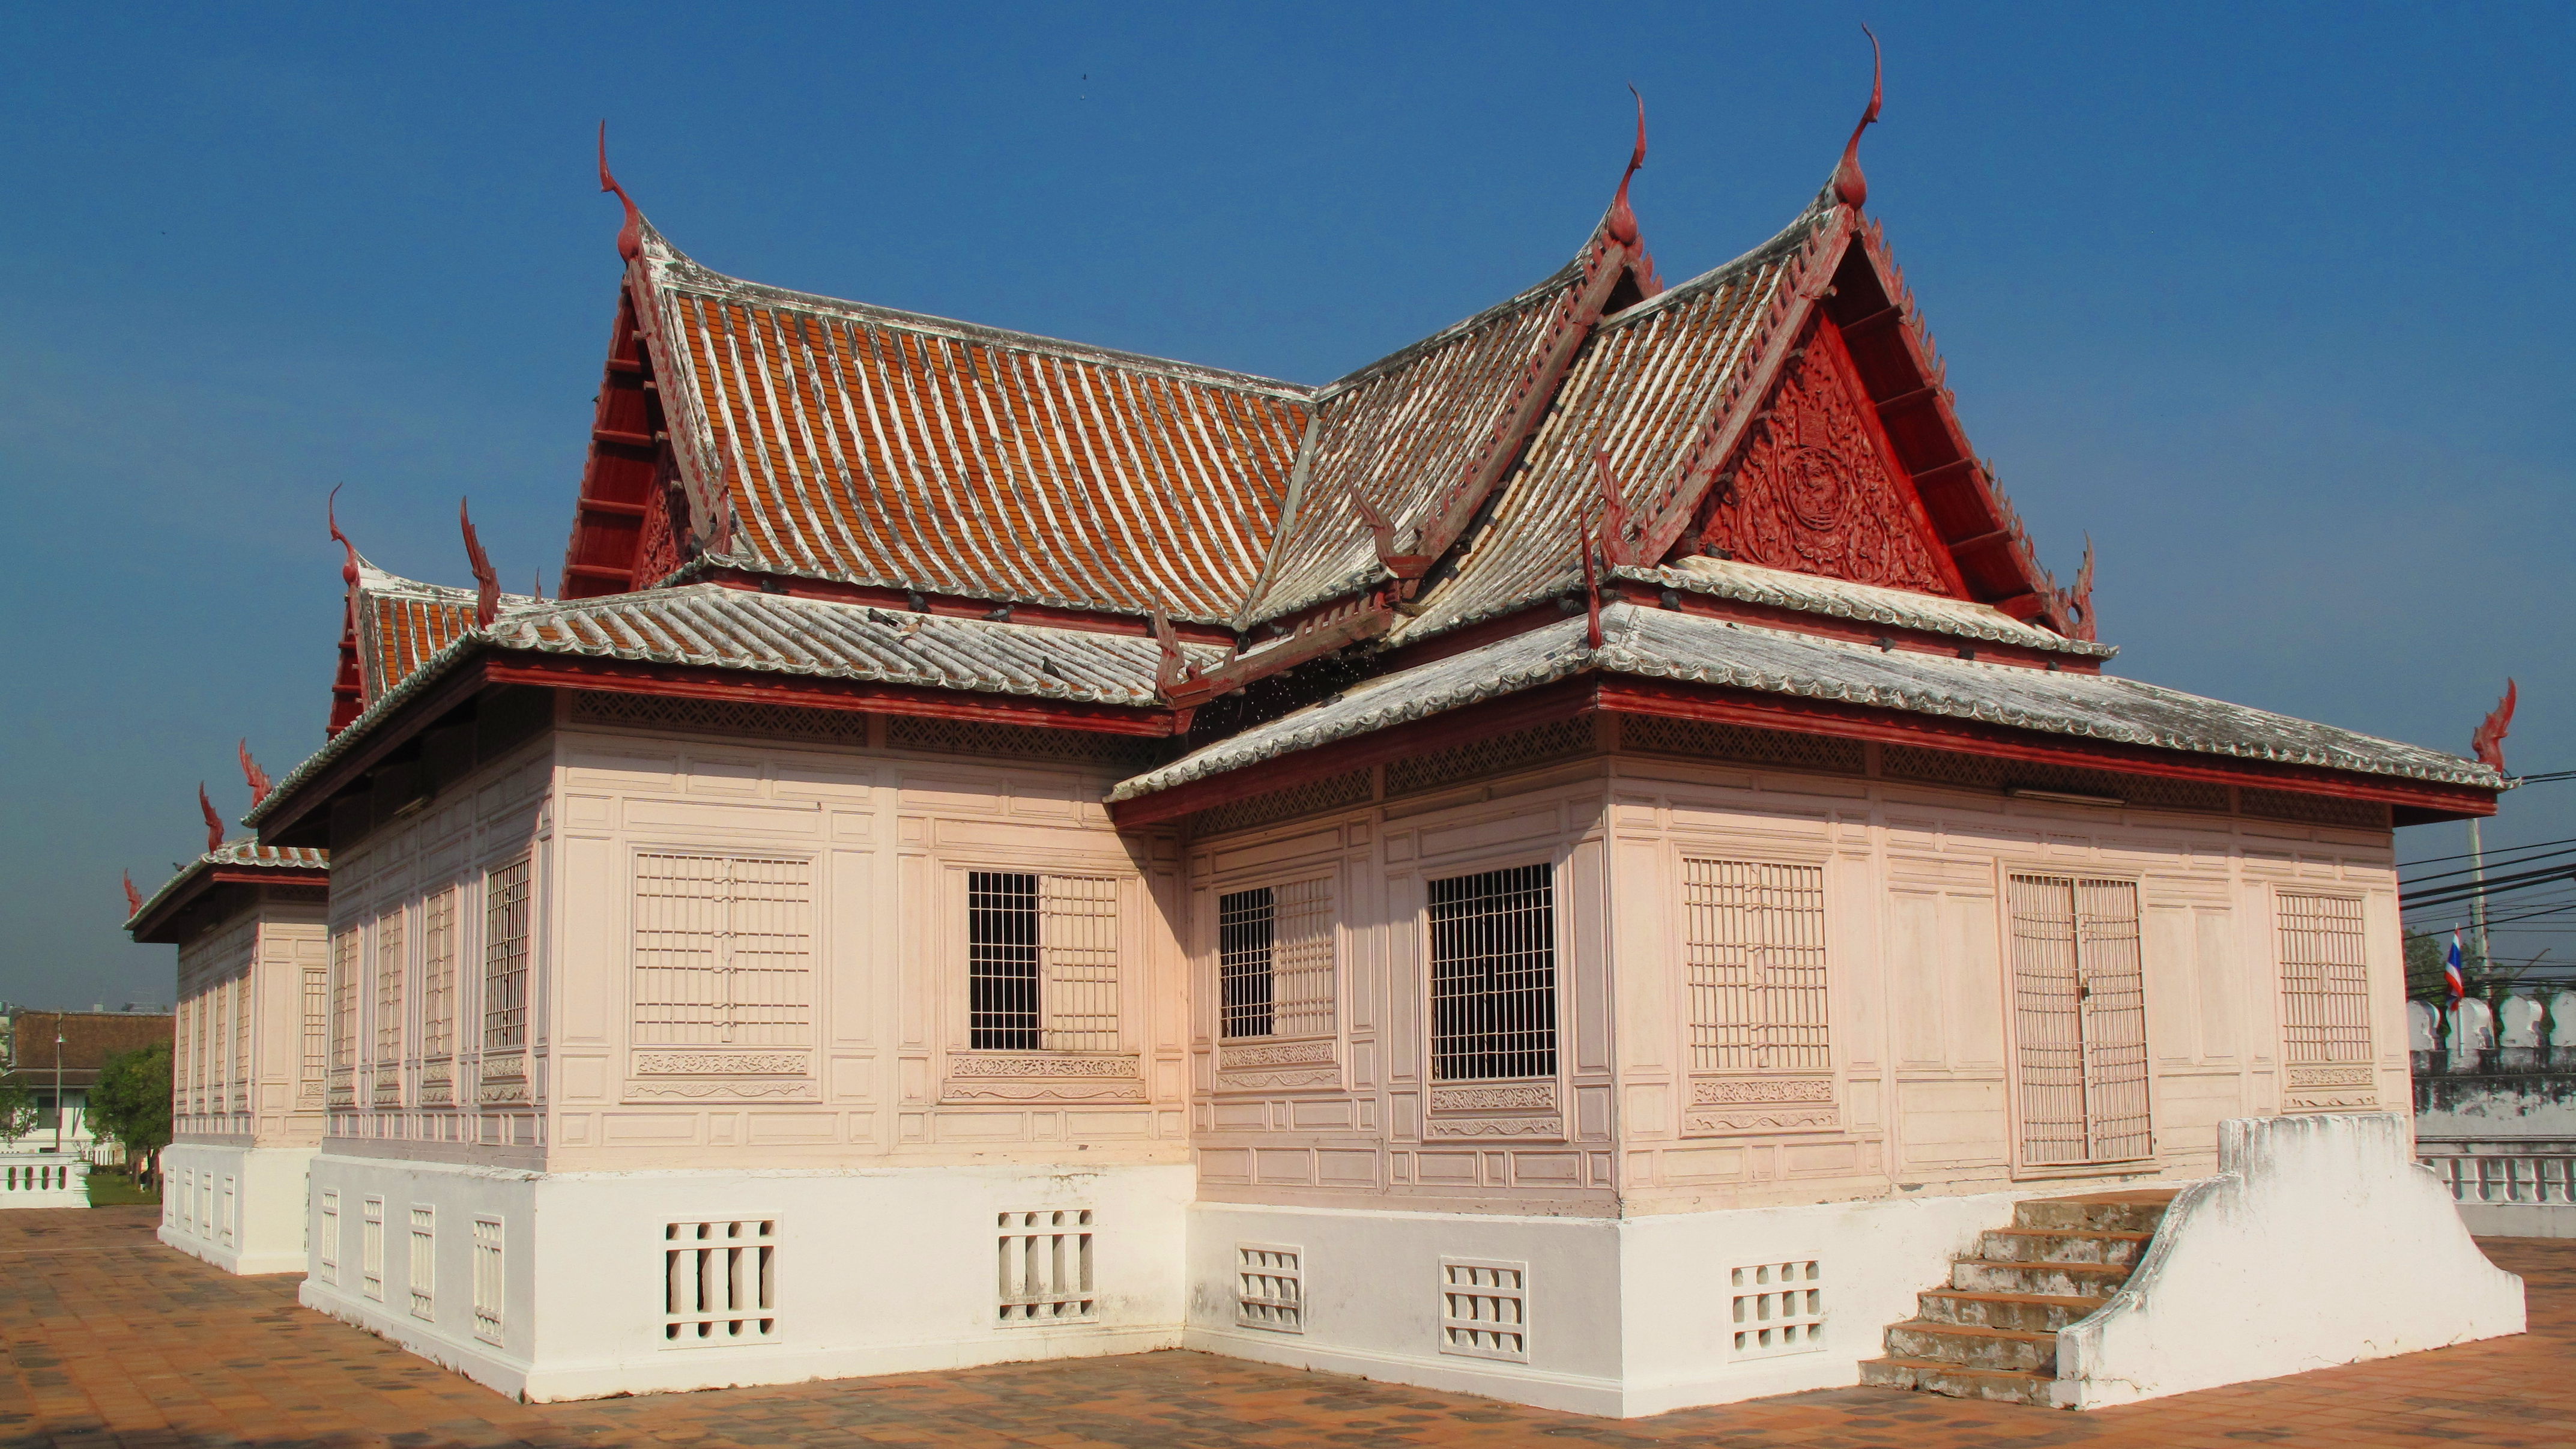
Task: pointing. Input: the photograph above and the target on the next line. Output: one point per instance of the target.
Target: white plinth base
(558, 1286)
(2320, 1242)
(239, 1208)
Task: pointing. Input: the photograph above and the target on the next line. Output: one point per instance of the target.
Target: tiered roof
(784, 485)
(234, 863)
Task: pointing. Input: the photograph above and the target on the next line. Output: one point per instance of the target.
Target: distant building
(89, 1038)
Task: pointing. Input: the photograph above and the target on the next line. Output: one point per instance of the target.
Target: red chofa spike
(2488, 742)
(630, 237)
(1171, 668)
(1622, 224)
(2079, 599)
(258, 778)
(331, 515)
(487, 584)
(133, 898)
(1591, 595)
(214, 822)
(1850, 187)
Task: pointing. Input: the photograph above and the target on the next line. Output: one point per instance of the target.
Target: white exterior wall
(877, 1270)
(239, 1208)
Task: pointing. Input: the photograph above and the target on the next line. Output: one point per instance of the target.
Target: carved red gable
(1813, 490)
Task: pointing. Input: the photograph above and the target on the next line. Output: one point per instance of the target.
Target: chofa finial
(1851, 188)
(133, 898)
(252, 774)
(487, 583)
(630, 237)
(331, 515)
(214, 822)
(1623, 220)
(2488, 742)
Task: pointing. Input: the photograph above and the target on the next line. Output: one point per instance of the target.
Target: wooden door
(2079, 1021)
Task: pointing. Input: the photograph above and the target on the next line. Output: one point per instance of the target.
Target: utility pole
(58, 1089)
(2478, 902)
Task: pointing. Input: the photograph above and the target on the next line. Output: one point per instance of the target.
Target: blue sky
(2267, 299)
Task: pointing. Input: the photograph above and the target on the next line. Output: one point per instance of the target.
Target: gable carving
(1813, 492)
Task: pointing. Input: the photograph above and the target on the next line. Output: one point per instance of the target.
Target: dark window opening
(1001, 961)
(1246, 923)
(1493, 975)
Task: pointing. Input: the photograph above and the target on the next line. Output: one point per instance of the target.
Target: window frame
(1554, 936)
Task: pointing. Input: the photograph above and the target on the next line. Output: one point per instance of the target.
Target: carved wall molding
(1043, 1091)
(1787, 1119)
(1812, 492)
(723, 1064)
(1718, 1091)
(1548, 1127)
(1041, 1066)
(2323, 1101)
(732, 1090)
(1273, 1054)
(506, 1089)
(1502, 1097)
(1272, 1081)
(2348, 1076)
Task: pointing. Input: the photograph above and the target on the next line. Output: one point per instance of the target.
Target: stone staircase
(1992, 1333)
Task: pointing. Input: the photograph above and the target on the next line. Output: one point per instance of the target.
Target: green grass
(116, 1189)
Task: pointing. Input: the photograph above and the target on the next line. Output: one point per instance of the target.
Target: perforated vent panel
(720, 717)
(1497, 755)
(1699, 739)
(971, 737)
(2316, 809)
(1333, 792)
(1979, 772)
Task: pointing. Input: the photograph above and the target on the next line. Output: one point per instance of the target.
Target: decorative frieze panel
(1495, 1097)
(1724, 1106)
(1277, 1065)
(730, 1089)
(723, 1064)
(503, 1080)
(2331, 1077)
(1232, 1056)
(1550, 1128)
(438, 1084)
(1041, 1077)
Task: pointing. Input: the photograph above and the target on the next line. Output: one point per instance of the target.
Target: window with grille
(1484, 1309)
(487, 1279)
(326, 1253)
(1275, 960)
(723, 950)
(424, 1263)
(186, 1049)
(389, 989)
(1493, 975)
(1270, 1287)
(720, 1282)
(1041, 962)
(2325, 980)
(1756, 938)
(2079, 1020)
(371, 1248)
(210, 1048)
(438, 974)
(241, 1038)
(505, 956)
(1777, 1308)
(317, 1022)
(1046, 1267)
(344, 999)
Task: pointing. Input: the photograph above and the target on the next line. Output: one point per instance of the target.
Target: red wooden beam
(689, 681)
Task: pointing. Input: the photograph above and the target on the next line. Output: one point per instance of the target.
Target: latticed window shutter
(1756, 937)
(723, 950)
(2325, 980)
(505, 956)
(1078, 963)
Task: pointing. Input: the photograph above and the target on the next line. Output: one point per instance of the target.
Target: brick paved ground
(113, 1340)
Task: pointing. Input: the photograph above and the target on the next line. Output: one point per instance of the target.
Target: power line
(2507, 850)
(2526, 859)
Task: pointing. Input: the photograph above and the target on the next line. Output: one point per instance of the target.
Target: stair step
(2062, 1245)
(2055, 1280)
(1970, 1345)
(1959, 1383)
(2135, 1210)
(2032, 1312)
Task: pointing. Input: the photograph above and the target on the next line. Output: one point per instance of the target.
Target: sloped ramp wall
(2320, 1242)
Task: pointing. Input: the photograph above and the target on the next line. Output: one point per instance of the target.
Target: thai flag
(2451, 973)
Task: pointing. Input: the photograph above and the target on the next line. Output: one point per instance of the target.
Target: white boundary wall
(2320, 1242)
(1625, 1317)
(239, 1208)
(877, 1271)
